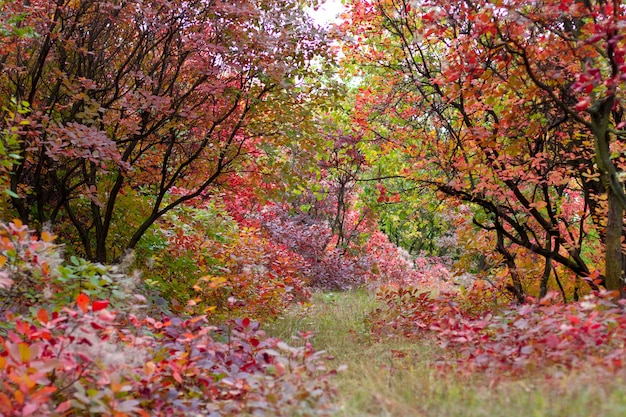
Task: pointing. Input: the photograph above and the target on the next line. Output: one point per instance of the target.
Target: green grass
(378, 382)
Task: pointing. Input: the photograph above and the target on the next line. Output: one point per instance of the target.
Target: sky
(327, 12)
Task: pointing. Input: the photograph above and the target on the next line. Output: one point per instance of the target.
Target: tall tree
(142, 96)
(513, 106)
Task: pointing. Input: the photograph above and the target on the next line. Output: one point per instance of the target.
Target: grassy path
(398, 378)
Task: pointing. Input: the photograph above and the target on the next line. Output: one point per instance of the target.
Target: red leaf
(82, 301)
(63, 407)
(245, 322)
(99, 305)
(552, 341)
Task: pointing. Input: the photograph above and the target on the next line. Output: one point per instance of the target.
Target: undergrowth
(394, 375)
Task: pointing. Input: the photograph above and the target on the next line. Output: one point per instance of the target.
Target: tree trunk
(613, 261)
(616, 198)
(516, 288)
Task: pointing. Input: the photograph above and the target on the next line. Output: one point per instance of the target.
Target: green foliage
(13, 24)
(79, 276)
(14, 122)
(35, 273)
(174, 256)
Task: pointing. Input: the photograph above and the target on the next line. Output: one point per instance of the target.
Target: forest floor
(399, 377)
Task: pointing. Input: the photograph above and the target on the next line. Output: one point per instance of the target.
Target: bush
(203, 262)
(514, 340)
(83, 357)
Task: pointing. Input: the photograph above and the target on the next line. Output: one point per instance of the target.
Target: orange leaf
(43, 316)
(82, 301)
(19, 397)
(5, 403)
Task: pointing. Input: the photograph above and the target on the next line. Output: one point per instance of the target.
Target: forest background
(174, 174)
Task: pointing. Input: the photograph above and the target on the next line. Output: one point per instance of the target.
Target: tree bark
(613, 262)
(616, 198)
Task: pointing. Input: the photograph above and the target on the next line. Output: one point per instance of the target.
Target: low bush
(510, 340)
(88, 356)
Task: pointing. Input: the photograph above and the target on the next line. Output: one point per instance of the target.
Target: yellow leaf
(24, 352)
(149, 368)
(47, 237)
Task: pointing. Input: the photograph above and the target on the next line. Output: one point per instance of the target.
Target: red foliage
(518, 340)
(328, 266)
(84, 359)
(126, 366)
(256, 277)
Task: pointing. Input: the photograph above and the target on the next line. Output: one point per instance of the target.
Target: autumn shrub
(406, 312)
(482, 297)
(256, 278)
(545, 337)
(327, 265)
(372, 260)
(203, 261)
(394, 266)
(78, 354)
(89, 360)
(27, 265)
(33, 272)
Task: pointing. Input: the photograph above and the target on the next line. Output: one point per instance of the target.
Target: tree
(513, 107)
(134, 98)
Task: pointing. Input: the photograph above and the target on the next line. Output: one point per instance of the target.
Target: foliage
(14, 122)
(398, 376)
(34, 273)
(83, 357)
(27, 265)
(203, 261)
(87, 360)
(545, 337)
(418, 222)
(257, 278)
(513, 109)
(144, 96)
(328, 266)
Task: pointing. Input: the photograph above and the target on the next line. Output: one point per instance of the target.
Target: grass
(399, 378)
